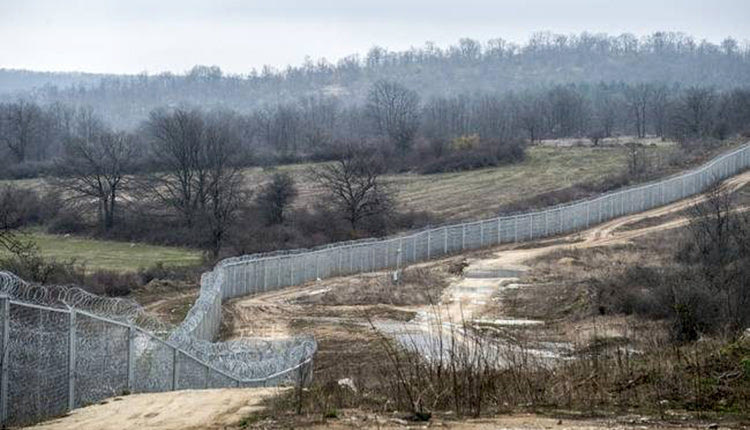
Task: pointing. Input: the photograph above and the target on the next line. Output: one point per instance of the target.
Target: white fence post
(463, 237)
(72, 361)
(4, 361)
(414, 248)
(428, 243)
(531, 226)
(499, 231)
(131, 359)
(445, 241)
(175, 367)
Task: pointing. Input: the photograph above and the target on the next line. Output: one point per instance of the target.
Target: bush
(488, 154)
(110, 283)
(21, 207)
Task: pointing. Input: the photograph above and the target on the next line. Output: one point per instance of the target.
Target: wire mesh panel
(217, 379)
(101, 360)
(153, 364)
(455, 238)
(472, 235)
(191, 374)
(38, 352)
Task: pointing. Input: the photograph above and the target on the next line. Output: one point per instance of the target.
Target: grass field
(111, 255)
(479, 193)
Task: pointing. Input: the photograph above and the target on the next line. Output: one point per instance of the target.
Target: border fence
(64, 348)
(258, 273)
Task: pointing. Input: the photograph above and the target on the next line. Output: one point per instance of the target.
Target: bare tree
(94, 165)
(638, 98)
(276, 196)
(394, 110)
(199, 176)
(531, 116)
(224, 191)
(717, 250)
(177, 148)
(694, 116)
(354, 185)
(20, 125)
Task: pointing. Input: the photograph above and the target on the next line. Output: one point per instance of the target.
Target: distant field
(480, 193)
(111, 255)
(550, 166)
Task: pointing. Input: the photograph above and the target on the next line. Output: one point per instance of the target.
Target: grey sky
(129, 36)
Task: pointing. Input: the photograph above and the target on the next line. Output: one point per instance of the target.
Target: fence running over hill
(258, 273)
(62, 350)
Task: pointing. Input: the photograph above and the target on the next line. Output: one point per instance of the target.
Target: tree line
(467, 67)
(414, 133)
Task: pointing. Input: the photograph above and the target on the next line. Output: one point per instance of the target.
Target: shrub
(111, 283)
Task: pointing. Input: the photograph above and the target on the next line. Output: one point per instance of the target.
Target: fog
(173, 35)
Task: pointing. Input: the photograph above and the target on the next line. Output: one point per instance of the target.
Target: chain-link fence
(56, 357)
(258, 273)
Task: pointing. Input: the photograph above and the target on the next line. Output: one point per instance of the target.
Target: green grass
(110, 255)
(479, 193)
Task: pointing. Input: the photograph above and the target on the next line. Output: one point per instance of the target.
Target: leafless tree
(354, 185)
(394, 110)
(717, 248)
(177, 147)
(695, 112)
(94, 165)
(531, 115)
(638, 98)
(198, 175)
(20, 125)
(224, 190)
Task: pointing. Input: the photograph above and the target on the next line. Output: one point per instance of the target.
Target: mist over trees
(495, 66)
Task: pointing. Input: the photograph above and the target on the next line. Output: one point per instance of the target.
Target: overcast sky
(130, 36)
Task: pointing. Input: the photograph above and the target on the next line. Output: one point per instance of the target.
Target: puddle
(494, 273)
(509, 322)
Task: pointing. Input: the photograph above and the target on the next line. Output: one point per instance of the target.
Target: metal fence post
(291, 270)
(208, 372)
(4, 361)
(131, 359)
(481, 234)
(546, 223)
(445, 241)
(515, 228)
(414, 248)
(499, 231)
(175, 367)
(428, 243)
(588, 212)
(463, 237)
(531, 226)
(72, 361)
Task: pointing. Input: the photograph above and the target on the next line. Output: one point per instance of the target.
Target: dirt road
(176, 410)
